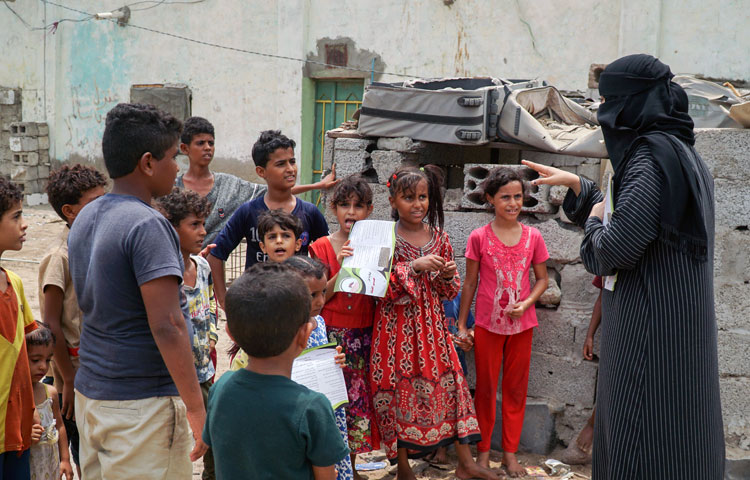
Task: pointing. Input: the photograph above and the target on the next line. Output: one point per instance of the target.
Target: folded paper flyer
(368, 270)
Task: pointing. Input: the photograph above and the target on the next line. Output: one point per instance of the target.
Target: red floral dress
(420, 394)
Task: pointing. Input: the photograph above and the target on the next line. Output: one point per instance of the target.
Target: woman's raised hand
(554, 176)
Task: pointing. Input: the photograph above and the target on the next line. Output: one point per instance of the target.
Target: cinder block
(23, 144)
(459, 226)
(43, 128)
(381, 206)
(732, 202)
(590, 171)
(328, 143)
(551, 296)
(555, 334)
(557, 194)
(400, 144)
(35, 199)
(33, 186)
(562, 379)
(43, 142)
(735, 403)
(9, 96)
(452, 199)
(737, 467)
(570, 422)
(385, 162)
(563, 242)
(725, 151)
(25, 158)
(538, 434)
(352, 143)
(731, 255)
(734, 352)
(732, 302)
(537, 197)
(578, 293)
(43, 171)
(24, 129)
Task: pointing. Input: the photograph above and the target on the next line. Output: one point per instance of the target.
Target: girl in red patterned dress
(420, 395)
(501, 254)
(349, 316)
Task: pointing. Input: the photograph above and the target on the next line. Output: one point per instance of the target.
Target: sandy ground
(43, 231)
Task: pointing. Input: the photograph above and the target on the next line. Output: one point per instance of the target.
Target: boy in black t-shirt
(273, 155)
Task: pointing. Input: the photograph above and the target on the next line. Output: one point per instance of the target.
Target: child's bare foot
(473, 470)
(483, 459)
(512, 466)
(356, 474)
(439, 456)
(586, 438)
(405, 472)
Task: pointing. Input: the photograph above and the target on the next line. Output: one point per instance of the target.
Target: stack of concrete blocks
(29, 145)
(10, 112)
(562, 386)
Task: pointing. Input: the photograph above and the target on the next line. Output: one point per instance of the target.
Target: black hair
(405, 179)
(307, 267)
(180, 203)
(42, 336)
(352, 185)
(269, 219)
(268, 142)
(266, 307)
(133, 129)
(68, 183)
(10, 194)
(498, 178)
(195, 126)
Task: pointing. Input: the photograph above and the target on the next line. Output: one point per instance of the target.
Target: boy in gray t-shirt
(136, 387)
(225, 192)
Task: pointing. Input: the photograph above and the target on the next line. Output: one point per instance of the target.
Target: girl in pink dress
(501, 254)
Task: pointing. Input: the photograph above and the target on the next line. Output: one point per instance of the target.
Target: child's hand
(204, 253)
(346, 251)
(449, 270)
(588, 348)
(428, 263)
(36, 433)
(66, 470)
(464, 339)
(67, 409)
(517, 310)
(340, 358)
(329, 180)
(212, 345)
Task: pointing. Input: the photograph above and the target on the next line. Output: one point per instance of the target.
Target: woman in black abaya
(658, 412)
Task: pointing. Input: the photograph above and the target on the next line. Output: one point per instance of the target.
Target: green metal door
(335, 103)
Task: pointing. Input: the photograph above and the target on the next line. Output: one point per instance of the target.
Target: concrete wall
(71, 78)
(562, 386)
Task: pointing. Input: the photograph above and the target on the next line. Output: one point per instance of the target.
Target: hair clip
(395, 176)
(388, 184)
(421, 169)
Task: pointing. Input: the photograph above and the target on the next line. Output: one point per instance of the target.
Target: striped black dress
(658, 411)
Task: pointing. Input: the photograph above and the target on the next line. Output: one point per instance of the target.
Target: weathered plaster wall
(91, 65)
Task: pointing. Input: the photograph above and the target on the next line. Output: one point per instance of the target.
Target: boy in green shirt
(261, 424)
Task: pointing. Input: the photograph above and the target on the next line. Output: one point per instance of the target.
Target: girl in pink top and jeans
(500, 255)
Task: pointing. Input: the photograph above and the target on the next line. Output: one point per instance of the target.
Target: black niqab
(643, 106)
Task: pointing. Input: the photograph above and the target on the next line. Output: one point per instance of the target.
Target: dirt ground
(44, 229)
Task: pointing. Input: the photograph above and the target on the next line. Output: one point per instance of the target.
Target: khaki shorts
(127, 439)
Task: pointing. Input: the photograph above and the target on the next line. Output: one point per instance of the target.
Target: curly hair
(133, 129)
(180, 203)
(352, 185)
(195, 126)
(268, 142)
(269, 219)
(68, 183)
(42, 336)
(10, 194)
